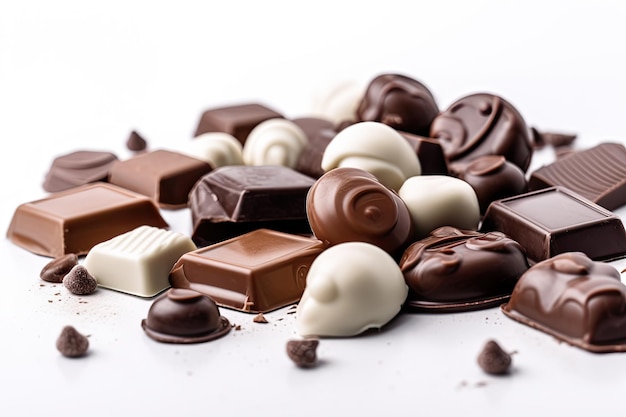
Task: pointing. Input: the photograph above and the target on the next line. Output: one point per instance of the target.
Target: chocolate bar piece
(430, 154)
(556, 220)
(75, 220)
(598, 174)
(237, 120)
(573, 299)
(255, 272)
(236, 199)
(319, 132)
(165, 176)
(461, 270)
(78, 168)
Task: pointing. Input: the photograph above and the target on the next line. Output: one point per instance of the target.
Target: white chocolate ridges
(438, 200)
(216, 148)
(351, 287)
(138, 262)
(274, 142)
(376, 148)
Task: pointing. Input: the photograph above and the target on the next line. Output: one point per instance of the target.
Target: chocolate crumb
(135, 142)
(71, 343)
(493, 359)
(259, 318)
(237, 327)
(79, 281)
(303, 352)
(56, 269)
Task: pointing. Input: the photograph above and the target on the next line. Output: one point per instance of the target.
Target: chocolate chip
(493, 359)
(303, 352)
(79, 281)
(71, 343)
(135, 142)
(56, 269)
(259, 318)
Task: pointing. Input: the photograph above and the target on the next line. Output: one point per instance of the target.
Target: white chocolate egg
(440, 200)
(216, 148)
(376, 148)
(351, 287)
(274, 142)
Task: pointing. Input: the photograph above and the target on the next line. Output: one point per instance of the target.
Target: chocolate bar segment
(78, 168)
(237, 120)
(598, 174)
(259, 271)
(165, 176)
(556, 220)
(236, 199)
(75, 220)
(573, 299)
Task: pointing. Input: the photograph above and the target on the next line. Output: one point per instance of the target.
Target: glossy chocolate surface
(237, 120)
(351, 205)
(165, 176)
(575, 300)
(319, 132)
(598, 174)
(256, 272)
(493, 178)
(460, 270)
(184, 316)
(483, 124)
(78, 168)
(75, 220)
(430, 154)
(399, 101)
(233, 200)
(556, 220)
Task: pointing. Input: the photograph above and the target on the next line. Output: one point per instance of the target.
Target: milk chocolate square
(165, 176)
(556, 220)
(237, 120)
(75, 220)
(259, 271)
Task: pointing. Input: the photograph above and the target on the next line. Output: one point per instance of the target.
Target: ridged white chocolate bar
(138, 262)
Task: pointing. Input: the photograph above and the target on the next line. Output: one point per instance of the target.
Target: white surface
(78, 75)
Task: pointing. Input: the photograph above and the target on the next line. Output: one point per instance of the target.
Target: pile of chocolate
(387, 204)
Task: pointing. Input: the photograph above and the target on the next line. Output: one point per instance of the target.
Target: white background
(75, 75)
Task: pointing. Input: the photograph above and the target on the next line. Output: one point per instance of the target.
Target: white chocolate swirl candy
(351, 287)
(340, 102)
(376, 148)
(439, 200)
(216, 148)
(274, 142)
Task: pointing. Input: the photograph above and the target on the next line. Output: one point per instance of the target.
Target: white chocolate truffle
(440, 200)
(215, 148)
(339, 102)
(376, 148)
(274, 142)
(350, 288)
(138, 262)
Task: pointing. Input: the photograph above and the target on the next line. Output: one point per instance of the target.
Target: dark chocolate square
(237, 120)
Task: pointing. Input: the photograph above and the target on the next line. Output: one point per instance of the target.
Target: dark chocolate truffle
(71, 343)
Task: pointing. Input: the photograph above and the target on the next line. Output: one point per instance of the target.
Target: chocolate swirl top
(350, 204)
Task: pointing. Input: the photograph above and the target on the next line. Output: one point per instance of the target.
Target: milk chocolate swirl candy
(400, 102)
(483, 124)
(350, 204)
(461, 270)
(574, 299)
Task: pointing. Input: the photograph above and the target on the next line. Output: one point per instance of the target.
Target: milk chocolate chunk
(493, 178)
(257, 272)
(350, 204)
(574, 299)
(483, 124)
(399, 101)
(461, 270)
(78, 168)
(75, 220)
(165, 176)
(184, 316)
(237, 120)
(56, 269)
(233, 200)
(598, 174)
(556, 220)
